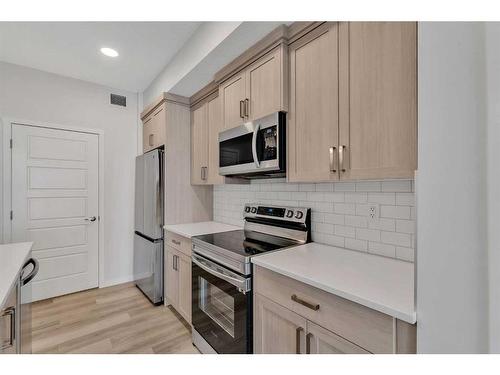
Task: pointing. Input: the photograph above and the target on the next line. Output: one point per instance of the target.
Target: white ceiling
(72, 49)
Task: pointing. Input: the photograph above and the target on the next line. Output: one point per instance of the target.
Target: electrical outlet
(373, 212)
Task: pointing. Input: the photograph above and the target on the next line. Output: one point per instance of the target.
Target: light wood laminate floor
(118, 319)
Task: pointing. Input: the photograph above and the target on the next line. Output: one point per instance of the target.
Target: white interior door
(54, 200)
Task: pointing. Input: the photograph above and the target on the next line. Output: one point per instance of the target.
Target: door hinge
(11, 215)
(11, 143)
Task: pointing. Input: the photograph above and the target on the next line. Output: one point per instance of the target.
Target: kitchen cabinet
(313, 118)
(154, 128)
(256, 91)
(206, 125)
(199, 145)
(353, 102)
(178, 274)
(281, 331)
(291, 317)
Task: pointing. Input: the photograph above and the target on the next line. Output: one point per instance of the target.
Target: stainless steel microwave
(255, 149)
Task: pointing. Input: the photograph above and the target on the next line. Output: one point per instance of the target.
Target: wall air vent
(118, 100)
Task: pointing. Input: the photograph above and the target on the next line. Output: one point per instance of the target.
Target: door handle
(247, 106)
(92, 218)
(242, 104)
(10, 312)
(254, 145)
(297, 339)
(332, 159)
(151, 136)
(308, 343)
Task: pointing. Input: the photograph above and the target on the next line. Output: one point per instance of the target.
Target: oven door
(253, 148)
(221, 307)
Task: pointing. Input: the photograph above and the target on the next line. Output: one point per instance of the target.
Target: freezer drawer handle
(9, 312)
(33, 272)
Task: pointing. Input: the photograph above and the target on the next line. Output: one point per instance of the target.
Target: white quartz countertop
(382, 284)
(12, 259)
(189, 230)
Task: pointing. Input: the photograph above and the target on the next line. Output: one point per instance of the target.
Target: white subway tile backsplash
(344, 231)
(339, 211)
(394, 238)
(368, 234)
(395, 212)
(382, 249)
(382, 198)
(397, 186)
(354, 244)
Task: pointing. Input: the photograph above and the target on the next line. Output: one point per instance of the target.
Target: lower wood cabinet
(178, 275)
(293, 317)
(281, 331)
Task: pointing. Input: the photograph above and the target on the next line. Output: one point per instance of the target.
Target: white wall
(452, 259)
(493, 171)
(38, 96)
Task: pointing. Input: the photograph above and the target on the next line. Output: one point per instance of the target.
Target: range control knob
(299, 215)
(289, 214)
(254, 210)
(247, 209)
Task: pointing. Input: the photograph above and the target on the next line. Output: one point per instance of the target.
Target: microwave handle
(254, 145)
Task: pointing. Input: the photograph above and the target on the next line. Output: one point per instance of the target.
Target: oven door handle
(242, 285)
(254, 145)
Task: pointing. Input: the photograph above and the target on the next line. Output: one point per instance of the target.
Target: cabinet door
(232, 92)
(378, 99)
(277, 330)
(159, 126)
(265, 80)
(313, 117)
(147, 131)
(184, 307)
(322, 341)
(171, 277)
(214, 127)
(199, 145)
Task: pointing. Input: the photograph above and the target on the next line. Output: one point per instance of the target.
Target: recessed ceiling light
(109, 52)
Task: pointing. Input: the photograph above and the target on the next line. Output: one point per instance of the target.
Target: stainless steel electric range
(222, 310)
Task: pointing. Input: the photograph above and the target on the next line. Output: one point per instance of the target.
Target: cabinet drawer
(365, 327)
(178, 242)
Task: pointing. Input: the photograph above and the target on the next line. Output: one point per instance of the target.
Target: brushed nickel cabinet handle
(312, 306)
(178, 243)
(308, 343)
(332, 159)
(342, 157)
(242, 110)
(11, 313)
(247, 107)
(297, 339)
(151, 139)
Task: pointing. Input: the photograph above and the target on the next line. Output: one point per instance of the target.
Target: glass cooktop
(245, 243)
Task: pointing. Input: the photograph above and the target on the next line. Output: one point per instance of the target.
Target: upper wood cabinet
(256, 91)
(356, 120)
(314, 109)
(205, 127)
(199, 145)
(154, 128)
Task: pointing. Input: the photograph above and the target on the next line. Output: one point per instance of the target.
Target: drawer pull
(178, 243)
(312, 306)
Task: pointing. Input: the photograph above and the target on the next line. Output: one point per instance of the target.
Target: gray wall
(29, 94)
(452, 257)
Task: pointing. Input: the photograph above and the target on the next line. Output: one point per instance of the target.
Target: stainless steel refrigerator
(148, 232)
